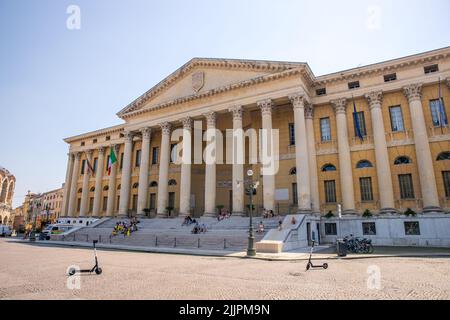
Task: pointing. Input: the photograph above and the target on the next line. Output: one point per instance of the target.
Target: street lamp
(251, 252)
(35, 205)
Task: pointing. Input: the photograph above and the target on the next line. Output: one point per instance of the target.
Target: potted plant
(367, 214)
(329, 215)
(169, 211)
(219, 208)
(147, 212)
(410, 212)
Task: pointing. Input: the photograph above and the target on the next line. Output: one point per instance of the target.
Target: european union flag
(442, 115)
(356, 121)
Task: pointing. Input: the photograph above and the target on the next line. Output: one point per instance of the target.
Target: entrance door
(318, 233)
(230, 200)
(308, 233)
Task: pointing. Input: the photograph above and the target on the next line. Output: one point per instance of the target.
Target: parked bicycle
(358, 245)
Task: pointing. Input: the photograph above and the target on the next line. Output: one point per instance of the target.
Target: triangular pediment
(204, 74)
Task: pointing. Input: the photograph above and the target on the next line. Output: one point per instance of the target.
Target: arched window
(328, 167)
(402, 160)
(172, 182)
(3, 190)
(118, 187)
(136, 185)
(153, 184)
(293, 171)
(92, 189)
(105, 188)
(80, 190)
(443, 156)
(364, 164)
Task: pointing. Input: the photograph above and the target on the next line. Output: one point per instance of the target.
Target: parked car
(55, 229)
(5, 231)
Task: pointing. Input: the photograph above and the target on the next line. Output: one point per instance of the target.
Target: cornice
(92, 134)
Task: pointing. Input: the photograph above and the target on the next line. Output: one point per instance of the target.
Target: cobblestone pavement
(35, 272)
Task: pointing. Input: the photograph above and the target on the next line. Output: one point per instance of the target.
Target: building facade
(371, 138)
(7, 184)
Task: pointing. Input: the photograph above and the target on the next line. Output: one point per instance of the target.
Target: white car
(5, 231)
(55, 229)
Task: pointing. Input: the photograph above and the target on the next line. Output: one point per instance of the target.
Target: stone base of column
(432, 209)
(388, 211)
(349, 212)
(210, 214)
(238, 214)
(304, 211)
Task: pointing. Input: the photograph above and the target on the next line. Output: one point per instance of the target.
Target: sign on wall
(281, 194)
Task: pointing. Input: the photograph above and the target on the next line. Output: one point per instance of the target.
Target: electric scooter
(310, 264)
(95, 268)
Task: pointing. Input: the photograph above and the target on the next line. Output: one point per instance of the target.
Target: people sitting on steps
(267, 214)
(199, 228)
(260, 227)
(125, 228)
(188, 221)
(223, 214)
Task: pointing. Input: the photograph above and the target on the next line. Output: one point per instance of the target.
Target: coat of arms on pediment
(198, 81)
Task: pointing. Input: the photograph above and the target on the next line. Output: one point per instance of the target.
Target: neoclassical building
(397, 157)
(7, 184)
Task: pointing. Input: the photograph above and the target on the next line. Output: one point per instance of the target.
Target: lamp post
(251, 252)
(34, 205)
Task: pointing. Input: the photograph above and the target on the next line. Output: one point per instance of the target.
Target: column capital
(128, 135)
(339, 105)
(187, 123)
(413, 91)
(210, 119)
(165, 128)
(146, 132)
(309, 111)
(375, 98)
(266, 106)
(236, 112)
(77, 155)
(298, 100)
(89, 152)
(116, 147)
(101, 150)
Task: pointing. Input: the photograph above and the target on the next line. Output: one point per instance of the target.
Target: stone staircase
(228, 234)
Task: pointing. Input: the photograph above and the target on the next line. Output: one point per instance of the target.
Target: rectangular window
(330, 191)
(330, 229)
(412, 228)
(446, 178)
(138, 158)
(325, 129)
(321, 91)
(431, 69)
(353, 85)
(118, 203)
(406, 186)
(91, 204)
(362, 124)
(365, 185)
(396, 119)
(107, 162)
(82, 144)
(95, 164)
(152, 201)
(83, 165)
(436, 113)
(108, 138)
(390, 77)
(294, 194)
(155, 155)
(369, 228)
(121, 161)
(105, 203)
(134, 205)
(291, 134)
(172, 199)
(94, 141)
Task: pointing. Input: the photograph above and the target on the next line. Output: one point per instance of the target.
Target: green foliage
(329, 215)
(410, 212)
(367, 214)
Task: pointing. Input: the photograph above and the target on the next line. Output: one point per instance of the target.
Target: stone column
(384, 176)
(110, 205)
(67, 185)
(423, 153)
(313, 176)
(185, 186)
(163, 196)
(73, 186)
(301, 154)
(143, 171)
(126, 175)
(268, 180)
(210, 168)
(84, 207)
(238, 162)
(345, 160)
(98, 183)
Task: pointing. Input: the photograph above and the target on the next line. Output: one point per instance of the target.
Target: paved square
(36, 272)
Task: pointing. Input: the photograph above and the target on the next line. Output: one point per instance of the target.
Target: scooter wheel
(308, 266)
(325, 265)
(98, 270)
(72, 271)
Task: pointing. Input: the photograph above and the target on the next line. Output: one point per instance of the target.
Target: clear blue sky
(56, 82)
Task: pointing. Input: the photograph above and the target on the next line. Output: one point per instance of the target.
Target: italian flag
(112, 159)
